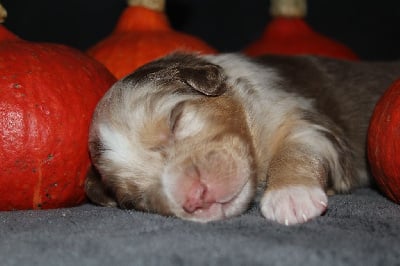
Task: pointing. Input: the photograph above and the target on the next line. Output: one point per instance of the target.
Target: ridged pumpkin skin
(384, 142)
(47, 96)
(140, 36)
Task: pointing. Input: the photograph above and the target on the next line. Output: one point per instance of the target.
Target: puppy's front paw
(294, 204)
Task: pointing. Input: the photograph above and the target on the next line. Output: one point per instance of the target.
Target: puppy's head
(171, 139)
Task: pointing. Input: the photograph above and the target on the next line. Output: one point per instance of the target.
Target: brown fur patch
(155, 134)
(296, 165)
(224, 114)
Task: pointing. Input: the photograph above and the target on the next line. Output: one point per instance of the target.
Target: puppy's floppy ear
(199, 74)
(205, 78)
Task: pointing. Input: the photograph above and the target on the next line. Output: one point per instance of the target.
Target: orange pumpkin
(47, 95)
(142, 34)
(384, 142)
(289, 34)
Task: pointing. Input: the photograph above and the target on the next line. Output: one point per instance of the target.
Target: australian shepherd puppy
(199, 136)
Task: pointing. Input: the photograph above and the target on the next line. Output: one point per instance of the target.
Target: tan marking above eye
(155, 134)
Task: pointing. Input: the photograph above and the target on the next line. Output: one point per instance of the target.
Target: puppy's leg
(309, 160)
(296, 181)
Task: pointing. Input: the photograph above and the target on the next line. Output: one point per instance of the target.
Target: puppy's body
(195, 136)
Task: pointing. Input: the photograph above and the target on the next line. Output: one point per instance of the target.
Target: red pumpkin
(47, 95)
(142, 34)
(289, 34)
(384, 142)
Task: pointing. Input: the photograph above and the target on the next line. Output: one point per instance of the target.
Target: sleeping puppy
(198, 137)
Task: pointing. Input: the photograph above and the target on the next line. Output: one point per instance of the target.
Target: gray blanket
(358, 229)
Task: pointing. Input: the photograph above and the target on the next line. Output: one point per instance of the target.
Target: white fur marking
(118, 147)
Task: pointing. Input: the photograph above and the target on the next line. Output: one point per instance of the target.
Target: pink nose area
(196, 198)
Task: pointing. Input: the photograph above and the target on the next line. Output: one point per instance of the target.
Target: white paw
(293, 205)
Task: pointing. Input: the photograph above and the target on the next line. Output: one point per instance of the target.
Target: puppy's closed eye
(155, 136)
(175, 115)
(159, 136)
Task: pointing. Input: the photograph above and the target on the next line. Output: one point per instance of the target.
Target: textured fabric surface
(362, 228)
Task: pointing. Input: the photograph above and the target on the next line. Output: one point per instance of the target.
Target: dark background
(371, 28)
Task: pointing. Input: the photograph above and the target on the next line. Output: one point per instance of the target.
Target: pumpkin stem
(288, 8)
(156, 5)
(5, 34)
(3, 14)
